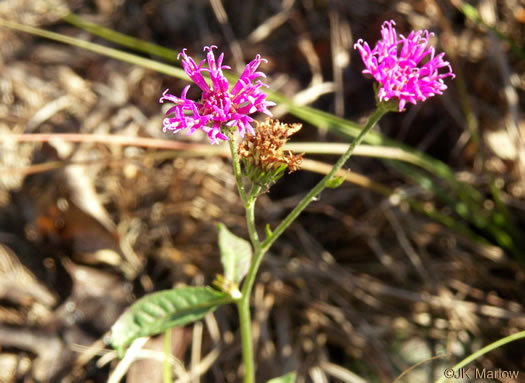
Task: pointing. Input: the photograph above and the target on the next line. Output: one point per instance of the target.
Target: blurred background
(422, 256)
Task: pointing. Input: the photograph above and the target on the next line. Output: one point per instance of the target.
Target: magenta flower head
(219, 105)
(405, 67)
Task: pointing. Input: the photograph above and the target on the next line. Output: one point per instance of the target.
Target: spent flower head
(263, 156)
(220, 106)
(405, 67)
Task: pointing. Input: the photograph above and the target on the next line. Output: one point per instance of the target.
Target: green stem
(243, 306)
(250, 216)
(167, 352)
(258, 251)
(374, 118)
(236, 168)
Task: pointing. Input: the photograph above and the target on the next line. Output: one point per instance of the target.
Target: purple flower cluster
(396, 62)
(219, 105)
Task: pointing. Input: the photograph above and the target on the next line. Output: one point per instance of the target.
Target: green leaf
(288, 378)
(157, 312)
(236, 255)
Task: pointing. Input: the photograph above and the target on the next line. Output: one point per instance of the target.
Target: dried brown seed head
(265, 149)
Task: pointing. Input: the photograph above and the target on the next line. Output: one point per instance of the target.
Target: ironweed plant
(406, 70)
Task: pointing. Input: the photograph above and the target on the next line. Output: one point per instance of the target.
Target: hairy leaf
(155, 313)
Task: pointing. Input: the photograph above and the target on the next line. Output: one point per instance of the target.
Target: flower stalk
(236, 168)
(248, 361)
(243, 304)
(372, 121)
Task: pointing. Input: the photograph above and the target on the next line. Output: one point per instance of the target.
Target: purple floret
(405, 67)
(219, 106)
